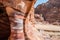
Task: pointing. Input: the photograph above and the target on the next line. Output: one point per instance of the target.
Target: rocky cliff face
(50, 11)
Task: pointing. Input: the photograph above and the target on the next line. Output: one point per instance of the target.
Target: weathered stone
(50, 11)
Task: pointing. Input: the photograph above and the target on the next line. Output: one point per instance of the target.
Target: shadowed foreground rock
(5, 28)
(23, 22)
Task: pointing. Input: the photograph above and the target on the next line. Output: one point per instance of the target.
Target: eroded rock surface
(50, 11)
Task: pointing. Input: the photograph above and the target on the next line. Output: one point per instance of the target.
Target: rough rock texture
(4, 23)
(24, 7)
(50, 11)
